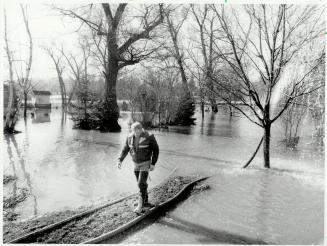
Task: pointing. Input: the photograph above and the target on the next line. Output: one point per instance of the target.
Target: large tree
(121, 39)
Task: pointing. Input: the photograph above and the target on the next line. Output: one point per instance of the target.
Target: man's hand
(151, 167)
(119, 164)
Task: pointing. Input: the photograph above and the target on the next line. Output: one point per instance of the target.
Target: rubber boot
(139, 206)
(146, 202)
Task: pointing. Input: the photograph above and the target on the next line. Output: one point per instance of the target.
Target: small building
(41, 99)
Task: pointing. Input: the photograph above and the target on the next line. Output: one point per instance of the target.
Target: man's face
(137, 132)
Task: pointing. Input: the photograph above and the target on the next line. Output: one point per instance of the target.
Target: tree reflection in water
(13, 147)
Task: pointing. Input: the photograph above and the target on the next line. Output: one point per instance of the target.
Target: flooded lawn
(62, 168)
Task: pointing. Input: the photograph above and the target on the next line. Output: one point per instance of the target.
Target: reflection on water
(210, 125)
(65, 168)
(40, 115)
(17, 160)
(11, 164)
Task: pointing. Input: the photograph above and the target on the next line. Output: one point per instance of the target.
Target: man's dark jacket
(146, 150)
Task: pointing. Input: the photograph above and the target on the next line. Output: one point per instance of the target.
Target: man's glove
(151, 167)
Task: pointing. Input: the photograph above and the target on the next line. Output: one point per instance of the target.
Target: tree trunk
(182, 71)
(72, 93)
(266, 145)
(62, 97)
(178, 56)
(214, 107)
(85, 110)
(11, 107)
(61, 83)
(230, 98)
(63, 92)
(207, 58)
(202, 110)
(63, 117)
(159, 115)
(65, 96)
(25, 104)
(10, 110)
(110, 106)
(212, 99)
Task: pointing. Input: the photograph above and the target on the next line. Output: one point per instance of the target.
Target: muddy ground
(97, 223)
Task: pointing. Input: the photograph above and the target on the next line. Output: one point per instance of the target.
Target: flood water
(65, 168)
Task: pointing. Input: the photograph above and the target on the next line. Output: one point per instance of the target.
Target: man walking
(144, 150)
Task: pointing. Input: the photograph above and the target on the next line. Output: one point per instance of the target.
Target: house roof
(42, 93)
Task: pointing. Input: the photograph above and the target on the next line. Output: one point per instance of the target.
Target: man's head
(137, 128)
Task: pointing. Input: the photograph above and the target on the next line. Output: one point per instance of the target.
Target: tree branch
(142, 35)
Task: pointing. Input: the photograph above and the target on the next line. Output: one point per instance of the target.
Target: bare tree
(164, 77)
(24, 77)
(162, 83)
(57, 60)
(170, 107)
(75, 68)
(201, 93)
(124, 46)
(146, 101)
(316, 104)
(85, 97)
(265, 45)
(292, 118)
(306, 105)
(155, 82)
(177, 52)
(186, 104)
(11, 110)
(229, 89)
(79, 67)
(132, 95)
(165, 80)
(207, 29)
